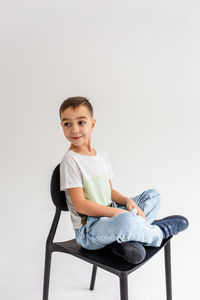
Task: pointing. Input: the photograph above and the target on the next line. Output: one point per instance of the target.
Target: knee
(153, 193)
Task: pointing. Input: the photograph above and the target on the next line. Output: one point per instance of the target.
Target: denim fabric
(101, 231)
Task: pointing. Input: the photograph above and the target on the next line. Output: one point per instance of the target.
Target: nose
(75, 129)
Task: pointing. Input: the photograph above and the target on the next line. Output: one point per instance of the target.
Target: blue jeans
(101, 231)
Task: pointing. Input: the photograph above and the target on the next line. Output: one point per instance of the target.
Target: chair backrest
(58, 197)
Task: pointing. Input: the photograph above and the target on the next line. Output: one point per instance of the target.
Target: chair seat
(104, 258)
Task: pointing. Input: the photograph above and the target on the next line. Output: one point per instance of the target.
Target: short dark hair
(74, 102)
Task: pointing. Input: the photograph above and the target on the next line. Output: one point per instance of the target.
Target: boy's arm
(90, 208)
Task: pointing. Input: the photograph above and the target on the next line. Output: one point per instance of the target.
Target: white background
(138, 63)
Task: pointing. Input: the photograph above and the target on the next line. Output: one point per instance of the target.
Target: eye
(82, 121)
(66, 124)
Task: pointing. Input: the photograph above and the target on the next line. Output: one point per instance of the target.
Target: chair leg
(47, 273)
(123, 286)
(168, 271)
(94, 271)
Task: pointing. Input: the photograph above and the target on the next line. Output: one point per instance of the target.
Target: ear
(93, 123)
(110, 184)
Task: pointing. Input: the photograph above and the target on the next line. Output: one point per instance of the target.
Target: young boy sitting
(100, 215)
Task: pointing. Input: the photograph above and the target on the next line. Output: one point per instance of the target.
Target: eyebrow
(66, 119)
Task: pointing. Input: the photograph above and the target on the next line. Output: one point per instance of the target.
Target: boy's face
(78, 123)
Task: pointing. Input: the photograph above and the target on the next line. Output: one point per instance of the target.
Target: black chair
(102, 258)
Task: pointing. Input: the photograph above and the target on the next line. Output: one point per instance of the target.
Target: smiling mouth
(76, 137)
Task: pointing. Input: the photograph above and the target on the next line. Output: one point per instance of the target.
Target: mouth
(76, 138)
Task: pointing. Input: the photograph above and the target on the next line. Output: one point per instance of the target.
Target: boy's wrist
(127, 200)
(122, 200)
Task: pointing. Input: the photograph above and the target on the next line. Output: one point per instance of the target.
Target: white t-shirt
(92, 173)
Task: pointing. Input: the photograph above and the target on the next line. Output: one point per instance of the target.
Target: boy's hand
(130, 204)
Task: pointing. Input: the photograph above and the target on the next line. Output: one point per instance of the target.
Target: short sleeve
(70, 175)
(110, 170)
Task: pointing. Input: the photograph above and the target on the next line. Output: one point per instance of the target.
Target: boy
(100, 215)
